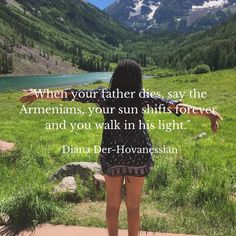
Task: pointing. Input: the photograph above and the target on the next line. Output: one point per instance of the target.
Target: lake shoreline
(19, 83)
(30, 75)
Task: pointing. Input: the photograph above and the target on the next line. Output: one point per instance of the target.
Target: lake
(50, 81)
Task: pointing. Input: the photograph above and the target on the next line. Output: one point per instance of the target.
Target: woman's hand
(215, 117)
(29, 97)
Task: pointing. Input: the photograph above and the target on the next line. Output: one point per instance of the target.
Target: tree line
(215, 47)
(6, 63)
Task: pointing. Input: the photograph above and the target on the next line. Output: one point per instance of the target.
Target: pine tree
(231, 60)
(222, 59)
(10, 65)
(6, 63)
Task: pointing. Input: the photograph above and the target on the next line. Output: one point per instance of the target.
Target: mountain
(35, 31)
(215, 47)
(64, 36)
(171, 15)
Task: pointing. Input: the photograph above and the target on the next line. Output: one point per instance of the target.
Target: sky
(101, 3)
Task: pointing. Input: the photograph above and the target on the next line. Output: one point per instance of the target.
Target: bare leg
(133, 197)
(114, 198)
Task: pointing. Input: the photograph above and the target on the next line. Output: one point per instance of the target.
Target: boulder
(200, 136)
(83, 169)
(61, 19)
(68, 184)
(4, 219)
(99, 181)
(6, 147)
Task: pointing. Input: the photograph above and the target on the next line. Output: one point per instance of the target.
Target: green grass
(192, 187)
(30, 207)
(159, 72)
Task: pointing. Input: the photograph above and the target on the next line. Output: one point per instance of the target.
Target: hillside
(76, 31)
(215, 47)
(189, 192)
(63, 37)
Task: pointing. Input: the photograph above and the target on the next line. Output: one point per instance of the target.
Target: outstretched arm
(214, 116)
(81, 95)
(32, 96)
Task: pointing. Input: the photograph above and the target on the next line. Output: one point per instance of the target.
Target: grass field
(186, 192)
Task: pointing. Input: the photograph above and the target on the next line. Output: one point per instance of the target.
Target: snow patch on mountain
(171, 15)
(210, 4)
(150, 26)
(153, 7)
(136, 11)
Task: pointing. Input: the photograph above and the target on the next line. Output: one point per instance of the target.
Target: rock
(200, 136)
(84, 169)
(99, 181)
(4, 219)
(67, 184)
(99, 178)
(6, 147)
(61, 19)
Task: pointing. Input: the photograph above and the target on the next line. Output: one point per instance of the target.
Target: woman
(129, 133)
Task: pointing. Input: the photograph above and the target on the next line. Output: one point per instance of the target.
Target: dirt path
(60, 230)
